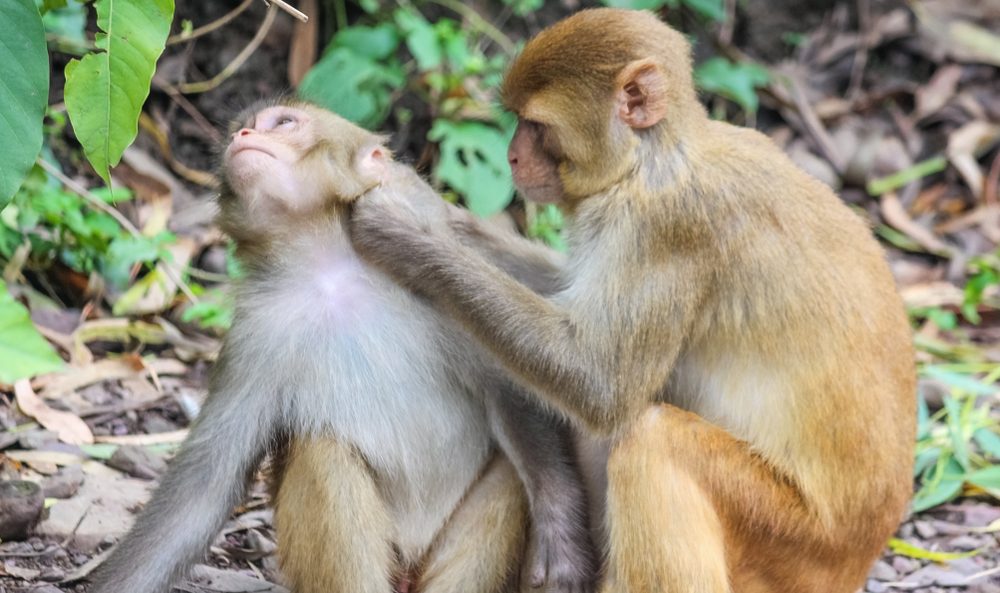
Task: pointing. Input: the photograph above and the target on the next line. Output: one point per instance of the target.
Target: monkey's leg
(479, 549)
(333, 528)
(691, 509)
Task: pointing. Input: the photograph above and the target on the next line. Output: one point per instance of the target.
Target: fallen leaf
(70, 428)
(965, 145)
(939, 89)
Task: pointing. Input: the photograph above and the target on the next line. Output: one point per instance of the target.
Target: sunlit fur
(375, 406)
(727, 327)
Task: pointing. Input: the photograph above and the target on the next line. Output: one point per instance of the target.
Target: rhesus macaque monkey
(369, 399)
(728, 330)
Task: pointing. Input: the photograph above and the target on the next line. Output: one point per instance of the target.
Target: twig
(212, 26)
(90, 197)
(118, 216)
(479, 23)
(728, 22)
(861, 52)
(232, 67)
(289, 9)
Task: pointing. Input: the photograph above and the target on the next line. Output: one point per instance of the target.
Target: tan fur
(726, 325)
(381, 413)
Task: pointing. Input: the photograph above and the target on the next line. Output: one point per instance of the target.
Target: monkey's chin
(542, 194)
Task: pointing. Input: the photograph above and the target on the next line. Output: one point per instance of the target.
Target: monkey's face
(263, 162)
(534, 162)
(293, 161)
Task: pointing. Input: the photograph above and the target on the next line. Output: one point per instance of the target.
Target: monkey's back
(363, 361)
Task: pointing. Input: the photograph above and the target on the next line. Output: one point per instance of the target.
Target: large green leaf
(736, 81)
(24, 91)
(23, 351)
(474, 163)
(105, 90)
(352, 85)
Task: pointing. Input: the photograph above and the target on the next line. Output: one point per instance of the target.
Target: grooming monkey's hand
(400, 233)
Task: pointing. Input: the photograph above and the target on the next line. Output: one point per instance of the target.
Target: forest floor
(866, 90)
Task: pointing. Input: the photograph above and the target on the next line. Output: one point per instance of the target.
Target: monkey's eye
(284, 121)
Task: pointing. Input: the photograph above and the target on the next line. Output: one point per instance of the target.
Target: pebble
(925, 529)
(965, 542)
(873, 586)
(906, 531)
(883, 572)
(904, 565)
(52, 574)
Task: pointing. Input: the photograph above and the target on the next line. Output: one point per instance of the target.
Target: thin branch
(126, 224)
(289, 9)
(87, 195)
(479, 23)
(212, 26)
(237, 63)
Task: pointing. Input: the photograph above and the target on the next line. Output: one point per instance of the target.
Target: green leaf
(987, 478)
(907, 549)
(67, 20)
(474, 162)
(24, 91)
(523, 7)
(352, 85)
(932, 494)
(421, 39)
(105, 90)
(377, 43)
(737, 82)
(988, 441)
(23, 351)
(960, 381)
(711, 9)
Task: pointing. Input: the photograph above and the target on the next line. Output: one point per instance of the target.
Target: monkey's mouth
(246, 147)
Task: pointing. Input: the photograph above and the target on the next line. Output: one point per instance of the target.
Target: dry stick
(480, 23)
(289, 9)
(861, 52)
(232, 67)
(212, 26)
(118, 216)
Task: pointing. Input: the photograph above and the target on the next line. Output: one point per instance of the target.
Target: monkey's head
(588, 91)
(291, 160)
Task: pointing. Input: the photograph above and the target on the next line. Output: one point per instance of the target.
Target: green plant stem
(877, 187)
(479, 23)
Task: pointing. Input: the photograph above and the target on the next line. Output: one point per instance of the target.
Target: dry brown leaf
(60, 458)
(156, 290)
(897, 217)
(938, 91)
(70, 428)
(956, 37)
(965, 145)
(56, 385)
(159, 438)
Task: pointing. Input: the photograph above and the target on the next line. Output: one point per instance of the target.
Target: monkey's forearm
(530, 335)
(204, 482)
(531, 263)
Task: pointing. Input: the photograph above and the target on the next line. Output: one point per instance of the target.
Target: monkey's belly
(385, 388)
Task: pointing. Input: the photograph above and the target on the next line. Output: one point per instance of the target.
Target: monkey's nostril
(243, 132)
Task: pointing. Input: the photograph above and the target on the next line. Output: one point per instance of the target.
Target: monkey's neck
(298, 248)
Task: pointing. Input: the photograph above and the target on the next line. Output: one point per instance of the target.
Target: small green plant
(984, 273)
(958, 446)
(737, 82)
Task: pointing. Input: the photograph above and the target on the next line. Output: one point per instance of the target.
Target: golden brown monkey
(728, 331)
(383, 413)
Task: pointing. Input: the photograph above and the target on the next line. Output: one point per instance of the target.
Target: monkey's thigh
(692, 510)
(479, 549)
(333, 528)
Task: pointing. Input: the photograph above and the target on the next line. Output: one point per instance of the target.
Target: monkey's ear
(372, 160)
(642, 94)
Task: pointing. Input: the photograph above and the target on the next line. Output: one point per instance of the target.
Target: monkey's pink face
(534, 164)
(261, 162)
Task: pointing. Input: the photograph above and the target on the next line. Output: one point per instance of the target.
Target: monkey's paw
(556, 563)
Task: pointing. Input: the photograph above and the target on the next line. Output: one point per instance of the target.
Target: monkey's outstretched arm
(560, 554)
(569, 353)
(205, 481)
(533, 264)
